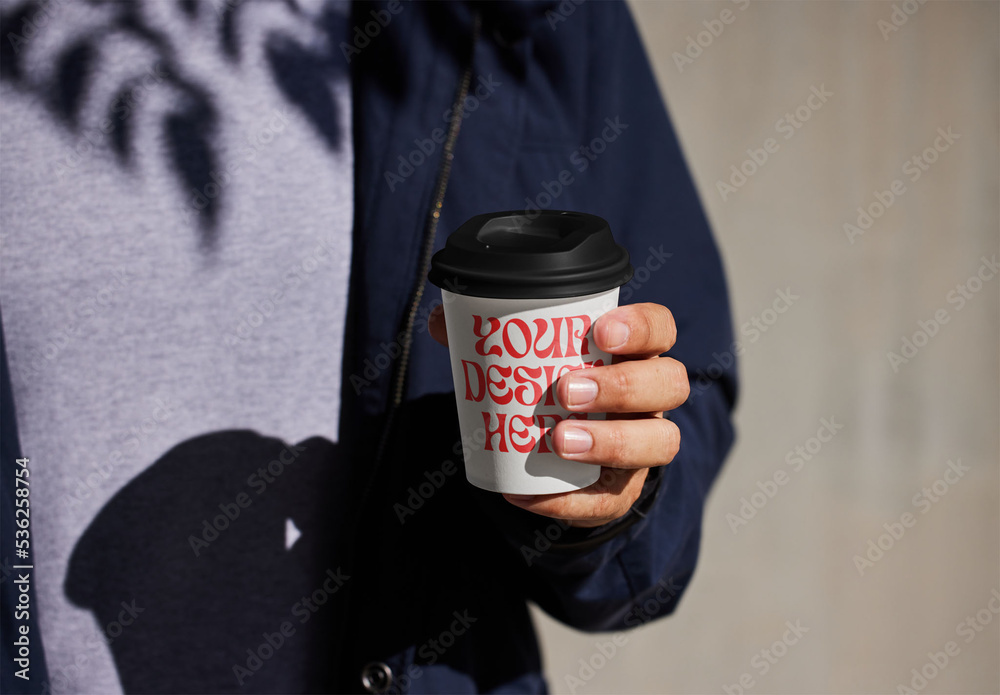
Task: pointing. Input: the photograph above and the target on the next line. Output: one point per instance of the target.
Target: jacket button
(376, 677)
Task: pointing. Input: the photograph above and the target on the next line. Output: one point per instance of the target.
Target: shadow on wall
(190, 128)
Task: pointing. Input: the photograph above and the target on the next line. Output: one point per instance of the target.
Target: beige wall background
(826, 356)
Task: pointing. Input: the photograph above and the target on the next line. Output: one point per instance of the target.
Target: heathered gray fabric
(132, 323)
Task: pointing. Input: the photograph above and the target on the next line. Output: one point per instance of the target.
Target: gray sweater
(175, 211)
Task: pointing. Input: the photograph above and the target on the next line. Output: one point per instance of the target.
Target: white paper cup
(521, 291)
(506, 356)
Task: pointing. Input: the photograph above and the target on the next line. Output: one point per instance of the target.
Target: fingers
(624, 448)
(624, 444)
(635, 386)
(636, 330)
(435, 324)
(606, 500)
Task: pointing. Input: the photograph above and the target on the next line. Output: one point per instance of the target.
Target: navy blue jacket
(563, 113)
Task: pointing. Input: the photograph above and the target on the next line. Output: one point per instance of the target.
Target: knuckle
(648, 323)
(669, 326)
(657, 325)
(670, 440)
(677, 380)
(615, 445)
(622, 386)
(607, 507)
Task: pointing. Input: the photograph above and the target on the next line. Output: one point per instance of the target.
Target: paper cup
(521, 293)
(506, 356)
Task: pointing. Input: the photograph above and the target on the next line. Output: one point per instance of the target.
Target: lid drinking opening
(520, 232)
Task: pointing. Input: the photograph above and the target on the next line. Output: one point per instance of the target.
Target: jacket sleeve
(592, 69)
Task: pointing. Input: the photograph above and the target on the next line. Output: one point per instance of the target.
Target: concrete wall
(826, 356)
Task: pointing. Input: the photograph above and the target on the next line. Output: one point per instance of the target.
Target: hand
(634, 391)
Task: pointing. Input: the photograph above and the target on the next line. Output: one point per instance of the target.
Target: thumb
(435, 324)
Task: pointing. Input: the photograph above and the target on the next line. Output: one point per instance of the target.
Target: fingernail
(581, 391)
(615, 334)
(519, 498)
(576, 440)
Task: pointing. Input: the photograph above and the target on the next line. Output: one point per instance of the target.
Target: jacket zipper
(396, 391)
(430, 235)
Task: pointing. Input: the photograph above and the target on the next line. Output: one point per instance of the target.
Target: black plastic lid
(517, 255)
